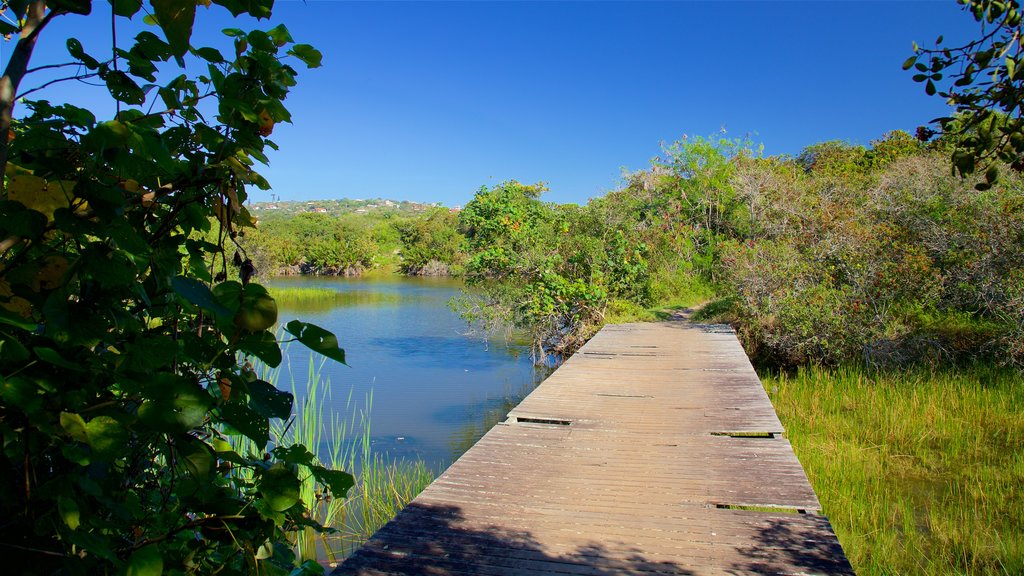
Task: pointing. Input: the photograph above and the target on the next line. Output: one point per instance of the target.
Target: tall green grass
(383, 486)
(920, 471)
(322, 299)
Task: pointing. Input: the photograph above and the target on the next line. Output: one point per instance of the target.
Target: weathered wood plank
(630, 458)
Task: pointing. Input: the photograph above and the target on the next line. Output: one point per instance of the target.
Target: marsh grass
(920, 472)
(322, 299)
(341, 441)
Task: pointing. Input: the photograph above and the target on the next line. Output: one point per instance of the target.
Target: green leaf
(316, 339)
(123, 88)
(248, 422)
(279, 486)
(929, 88)
(266, 550)
(992, 174)
(18, 7)
(308, 568)
(309, 55)
(295, 454)
(264, 346)
(146, 561)
(196, 456)
(126, 8)
(20, 392)
(78, 53)
(280, 35)
(1011, 67)
(258, 9)
(16, 320)
(11, 350)
(69, 513)
(175, 404)
(199, 294)
(74, 425)
(107, 437)
(114, 134)
(257, 310)
(909, 62)
(337, 481)
(261, 41)
(83, 7)
(176, 19)
(50, 356)
(268, 401)
(211, 55)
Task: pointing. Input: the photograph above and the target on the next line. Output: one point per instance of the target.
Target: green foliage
(431, 245)
(841, 254)
(549, 269)
(982, 80)
(852, 269)
(125, 345)
(702, 191)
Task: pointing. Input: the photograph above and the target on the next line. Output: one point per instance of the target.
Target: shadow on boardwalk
(429, 539)
(778, 544)
(433, 539)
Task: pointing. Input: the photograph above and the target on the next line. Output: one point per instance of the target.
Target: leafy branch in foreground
(123, 342)
(983, 80)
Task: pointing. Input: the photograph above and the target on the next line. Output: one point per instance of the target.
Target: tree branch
(36, 19)
(52, 82)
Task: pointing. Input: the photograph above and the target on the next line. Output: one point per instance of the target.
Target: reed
(341, 441)
(919, 471)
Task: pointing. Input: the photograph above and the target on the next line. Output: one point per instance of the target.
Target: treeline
(843, 253)
(347, 245)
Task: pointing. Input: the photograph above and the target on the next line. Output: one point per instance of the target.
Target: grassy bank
(920, 472)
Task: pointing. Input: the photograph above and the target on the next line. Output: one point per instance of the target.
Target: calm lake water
(436, 387)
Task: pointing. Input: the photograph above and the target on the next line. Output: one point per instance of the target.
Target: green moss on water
(919, 471)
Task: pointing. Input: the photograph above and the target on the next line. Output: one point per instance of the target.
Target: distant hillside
(339, 207)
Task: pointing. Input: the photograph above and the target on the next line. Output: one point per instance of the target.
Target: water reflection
(482, 416)
(435, 388)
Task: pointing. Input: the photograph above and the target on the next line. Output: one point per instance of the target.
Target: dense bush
(549, 269)
(868, 267)
(431, 245)
(125, 345)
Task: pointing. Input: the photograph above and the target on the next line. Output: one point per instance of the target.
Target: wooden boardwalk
(653, 450)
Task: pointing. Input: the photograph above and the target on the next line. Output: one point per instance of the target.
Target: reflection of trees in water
(491, 413)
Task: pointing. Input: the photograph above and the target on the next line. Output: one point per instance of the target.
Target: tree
(126, 332)
(984, 81)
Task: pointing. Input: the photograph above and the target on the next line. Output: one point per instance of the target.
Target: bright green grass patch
(920, 472)
(679, 289)
(319, 299)
(622, 311)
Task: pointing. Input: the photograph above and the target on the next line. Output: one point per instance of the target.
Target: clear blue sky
(428, 101)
